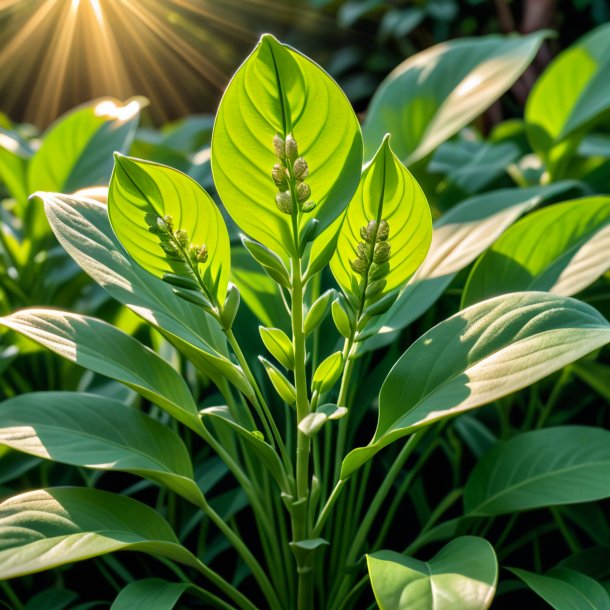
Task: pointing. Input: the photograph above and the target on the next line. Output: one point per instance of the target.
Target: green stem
(299, 512)
(327, 509)
(342, 402)
(259, 402)
(244, 551)
(11, 595)
(554, 397)
(571, 541)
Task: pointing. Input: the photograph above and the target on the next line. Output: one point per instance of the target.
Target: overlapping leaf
(463, 575)
(430, 96)
(83, 229)
(563, 465)
(142, 192)
(561, 249)
(106, 350)
(52, 527)
(89, 430)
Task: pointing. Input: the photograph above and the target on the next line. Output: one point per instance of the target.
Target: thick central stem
(299, 516)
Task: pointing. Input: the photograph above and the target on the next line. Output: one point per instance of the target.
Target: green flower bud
(359, 266)
(308, 207)
(278, 173)
(368, 232)
(169, 248)
(303, 192)
(163, 226)
(292, 152)
(258, 434)
(378, 271)
(374, 288)
(300, 169)
(383, 232)
(382, 252)
(279, 146)
(182, 237)
(198, 254)
(363, 252)
(283, 200)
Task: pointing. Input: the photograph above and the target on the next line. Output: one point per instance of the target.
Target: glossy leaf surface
(432, 95)
(92, 431)
(549, 467)
(478, 355)
(561, 249)
(279, 91)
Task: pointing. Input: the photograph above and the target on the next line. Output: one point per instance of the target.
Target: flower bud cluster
(373, 252)
(176, 242)
(289, 174)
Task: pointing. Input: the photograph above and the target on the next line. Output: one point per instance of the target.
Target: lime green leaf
(51, 527)
(458, 237)
(569, 97)
(487, 351)
(106, 350)
(92, 431)
(561, 249)
(278, 91)
(317, 312)
(327, 373)
(387, 192)
(563, 465)
(222, 417)
(432, 95)
(566, 589)
(282, 386)
(313, 422)
(82, 228)
(463, 574)
(279, 345)
(76, 151)
(143, 193)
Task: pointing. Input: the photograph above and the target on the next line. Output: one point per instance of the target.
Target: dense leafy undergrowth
(289, 361)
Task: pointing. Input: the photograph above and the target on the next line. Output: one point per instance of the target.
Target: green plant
(303, 498)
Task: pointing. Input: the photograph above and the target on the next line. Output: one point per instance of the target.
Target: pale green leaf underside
(276, 91)
(566, 589)
(561, 249)
(463, 575)
(51, 527)
(432, 95)
(480, 354)
(83, 229)
(571, 93)
(458, 237)
(387, 191)
(93, 431)
(142, 191)
(563, 465)
(106, 350)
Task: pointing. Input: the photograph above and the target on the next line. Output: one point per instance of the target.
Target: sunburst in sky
(55, 54)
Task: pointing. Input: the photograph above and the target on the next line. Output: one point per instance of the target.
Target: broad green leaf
(92, 431)
(76, 151)
(83, 229)
(387, 191)
(433, 94)
(106, 350)
(278, 91)
(549, 467)
(458, 237)
(47, 528)
(221, 417)
(561, 249)
(569, 97)
(463, 574)
(150, 594)
(566, 589)
(480, 354)
(140, 194)
(279, 345)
